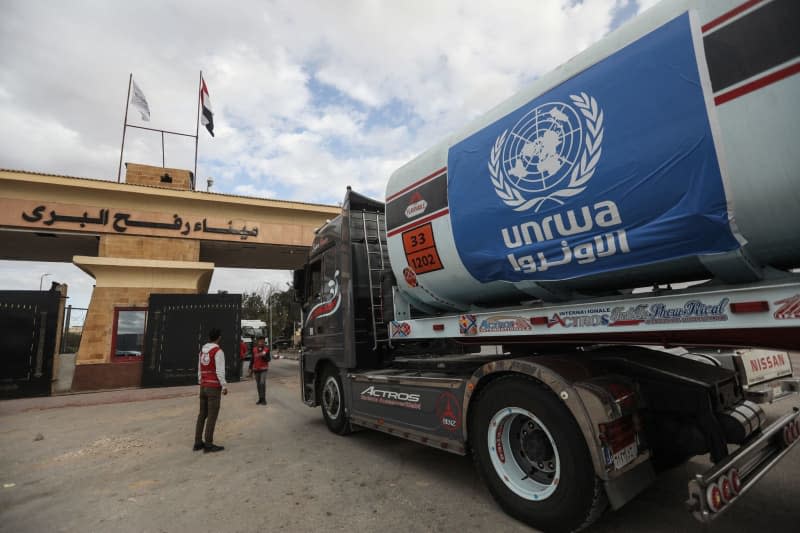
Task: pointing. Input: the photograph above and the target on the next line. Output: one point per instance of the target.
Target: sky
(308, 97)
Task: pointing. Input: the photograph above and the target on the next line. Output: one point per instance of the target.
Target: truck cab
(340, 292)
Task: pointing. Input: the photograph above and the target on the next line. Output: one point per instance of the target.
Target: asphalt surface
(122, 461)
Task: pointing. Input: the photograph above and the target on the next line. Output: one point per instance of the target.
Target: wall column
(127, 271)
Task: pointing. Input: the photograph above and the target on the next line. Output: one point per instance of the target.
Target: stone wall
(168, 178)
(132, 247)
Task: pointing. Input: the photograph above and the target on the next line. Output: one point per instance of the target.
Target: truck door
(322, 329)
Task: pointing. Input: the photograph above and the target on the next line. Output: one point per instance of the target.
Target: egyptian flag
(207, 118)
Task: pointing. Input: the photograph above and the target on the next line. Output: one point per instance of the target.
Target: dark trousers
(261, 385)
(209, 409)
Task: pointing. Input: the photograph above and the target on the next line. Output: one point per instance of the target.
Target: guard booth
(29, 329)
(178, 326)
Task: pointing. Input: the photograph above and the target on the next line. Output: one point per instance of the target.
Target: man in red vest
(211, 377)
(244, 351)
(260, 364)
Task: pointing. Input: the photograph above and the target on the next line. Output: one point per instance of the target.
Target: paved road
(128, 466)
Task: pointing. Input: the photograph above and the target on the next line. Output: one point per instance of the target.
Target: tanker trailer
(486, 307)
(664, 153)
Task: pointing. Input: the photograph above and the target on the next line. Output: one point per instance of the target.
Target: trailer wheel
(333, 407)
(533, 457)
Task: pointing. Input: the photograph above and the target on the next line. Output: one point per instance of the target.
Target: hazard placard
(420, 248)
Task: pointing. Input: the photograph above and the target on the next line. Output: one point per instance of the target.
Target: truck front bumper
(712, 493)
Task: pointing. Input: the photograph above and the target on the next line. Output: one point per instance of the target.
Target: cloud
(280, 74)
(646, 4)
(355, 88)
(251, 190)
(241, 280)
(26, 275)
(31, 138)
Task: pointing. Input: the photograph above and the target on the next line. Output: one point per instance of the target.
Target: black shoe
(198, 446)
(210, 448)
(261, 402)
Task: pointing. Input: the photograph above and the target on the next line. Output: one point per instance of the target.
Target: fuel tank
(666, 152)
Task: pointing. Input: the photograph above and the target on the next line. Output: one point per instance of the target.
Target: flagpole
(197, 126)
(124, 125)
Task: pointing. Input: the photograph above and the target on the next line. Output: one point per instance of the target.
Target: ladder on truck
(377, 259)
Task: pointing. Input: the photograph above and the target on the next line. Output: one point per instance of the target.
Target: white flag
(140, 102)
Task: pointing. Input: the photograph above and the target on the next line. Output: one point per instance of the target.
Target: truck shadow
(659, 508)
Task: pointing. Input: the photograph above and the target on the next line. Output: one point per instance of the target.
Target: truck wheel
(333, 402)
(533, 457)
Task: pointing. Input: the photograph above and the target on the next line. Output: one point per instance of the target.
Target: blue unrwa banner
(614, 168)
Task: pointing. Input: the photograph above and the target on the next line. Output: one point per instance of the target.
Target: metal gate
(28, 329)
(178, 326)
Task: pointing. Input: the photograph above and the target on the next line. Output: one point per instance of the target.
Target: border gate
(177, 327)
(28, 329)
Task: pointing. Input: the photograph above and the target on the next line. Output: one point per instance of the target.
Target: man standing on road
(211, 377)
(260, 364)
(243, 355)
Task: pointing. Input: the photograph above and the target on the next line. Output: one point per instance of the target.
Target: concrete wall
(107, 376)
(66, 371)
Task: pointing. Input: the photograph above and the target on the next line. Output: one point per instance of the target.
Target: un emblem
(549, 154)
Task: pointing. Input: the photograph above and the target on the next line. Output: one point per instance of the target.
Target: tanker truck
(593, 282)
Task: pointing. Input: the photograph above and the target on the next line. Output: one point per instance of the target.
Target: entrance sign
(92, 219)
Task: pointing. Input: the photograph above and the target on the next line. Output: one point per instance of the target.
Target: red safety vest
(260, 358)
(208, 369)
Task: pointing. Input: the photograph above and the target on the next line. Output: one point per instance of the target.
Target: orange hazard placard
(418, 238)
(420, 248)
(424, 261)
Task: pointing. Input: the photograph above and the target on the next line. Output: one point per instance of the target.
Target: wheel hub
(330, 398)
(537, 446)
(523, 453)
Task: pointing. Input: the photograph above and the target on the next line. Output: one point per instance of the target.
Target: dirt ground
(122, 461)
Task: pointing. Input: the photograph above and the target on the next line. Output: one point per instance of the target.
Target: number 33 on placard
(420, 248)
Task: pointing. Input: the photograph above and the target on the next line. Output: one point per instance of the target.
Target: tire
(332, 401)
(532, 456)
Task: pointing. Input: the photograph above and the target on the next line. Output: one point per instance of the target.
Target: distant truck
(513, 296)
(251, 330)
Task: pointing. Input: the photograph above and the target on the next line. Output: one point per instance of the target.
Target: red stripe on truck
(757, 84)
(415, 184)
(419, 222)
(730, 14)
